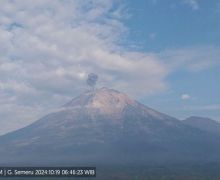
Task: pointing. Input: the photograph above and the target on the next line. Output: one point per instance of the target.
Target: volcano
(106, 126)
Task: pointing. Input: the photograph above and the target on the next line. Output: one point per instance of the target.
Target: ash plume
(92, 79)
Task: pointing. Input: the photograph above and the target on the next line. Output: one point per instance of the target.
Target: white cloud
(185, 96)
(47, 48)
(152, 35)
(194, 4)
(193, 59)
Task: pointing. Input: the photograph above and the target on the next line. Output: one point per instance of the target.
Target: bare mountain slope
(106, 124)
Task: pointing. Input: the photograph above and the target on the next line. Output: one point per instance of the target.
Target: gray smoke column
(92, 79)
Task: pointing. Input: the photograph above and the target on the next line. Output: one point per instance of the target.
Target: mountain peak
(107, 101)
(105, 123)
(199, 119)
(203, 123)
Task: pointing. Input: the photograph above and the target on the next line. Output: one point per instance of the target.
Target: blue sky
(156, 26)
(163, 53)
(175, 24)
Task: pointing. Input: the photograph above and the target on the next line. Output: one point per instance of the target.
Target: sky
(166, 54)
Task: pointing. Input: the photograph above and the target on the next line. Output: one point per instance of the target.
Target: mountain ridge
(107, 124)
(203, 123)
